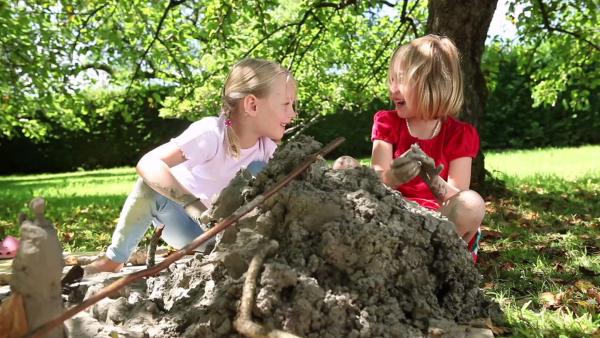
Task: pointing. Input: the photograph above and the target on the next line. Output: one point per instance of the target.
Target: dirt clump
(354, 259)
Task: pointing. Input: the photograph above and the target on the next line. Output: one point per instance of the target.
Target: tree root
(243, 323)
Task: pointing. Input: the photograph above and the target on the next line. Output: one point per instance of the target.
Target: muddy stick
(243, 323)
(150, 255)
(188, 249)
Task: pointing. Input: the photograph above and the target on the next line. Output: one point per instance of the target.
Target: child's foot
(102, 264)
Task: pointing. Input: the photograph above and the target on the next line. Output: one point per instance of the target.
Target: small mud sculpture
(334, 254)
(37, 269)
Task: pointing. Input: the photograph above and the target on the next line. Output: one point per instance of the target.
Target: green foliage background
(86, 84)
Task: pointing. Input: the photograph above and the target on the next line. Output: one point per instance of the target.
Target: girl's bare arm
(459, 178)
(154, 168)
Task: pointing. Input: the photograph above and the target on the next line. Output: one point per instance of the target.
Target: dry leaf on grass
(508, 266)
(550, 300)
(588, 272)
(583, 285)
(490, 234)
(497, 330)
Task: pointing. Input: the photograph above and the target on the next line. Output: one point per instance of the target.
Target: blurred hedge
(117, 137)
(512, 122)
(118, 134)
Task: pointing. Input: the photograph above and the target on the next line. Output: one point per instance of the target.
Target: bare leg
(466, 210)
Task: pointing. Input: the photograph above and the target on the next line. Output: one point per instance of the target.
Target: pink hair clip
(228, 122)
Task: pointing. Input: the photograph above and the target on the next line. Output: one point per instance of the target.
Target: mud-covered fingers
(401, 161)
(405, 172)
(195, 209)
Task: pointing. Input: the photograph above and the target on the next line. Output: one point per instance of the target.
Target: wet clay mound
(354, 259)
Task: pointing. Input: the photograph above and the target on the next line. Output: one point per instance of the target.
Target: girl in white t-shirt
(179, 179)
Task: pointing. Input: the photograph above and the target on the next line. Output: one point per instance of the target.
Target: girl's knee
(466, 209)
(472, 203)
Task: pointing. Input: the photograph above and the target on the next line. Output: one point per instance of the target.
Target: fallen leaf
(508, 266)
(551, 251)
(587, 306)
(594, 294)
(550, 300)
(588, 272)
(68, 236)
(489, 285)
(497, 330)
(583, 285)
(559, 267)
(491, 234)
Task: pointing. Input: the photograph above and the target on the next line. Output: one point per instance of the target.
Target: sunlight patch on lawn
(567, 163)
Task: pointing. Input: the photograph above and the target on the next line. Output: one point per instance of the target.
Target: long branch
(546, 20)
(85, 23)
(172, 4)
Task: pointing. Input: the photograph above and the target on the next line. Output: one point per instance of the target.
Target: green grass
(567, 163)
(83, 206)
(540, 259)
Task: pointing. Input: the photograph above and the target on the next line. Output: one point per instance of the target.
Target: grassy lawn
(84, 206)
(540, 258)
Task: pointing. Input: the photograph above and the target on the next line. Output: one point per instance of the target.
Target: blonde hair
(247, 77)
(430, 68)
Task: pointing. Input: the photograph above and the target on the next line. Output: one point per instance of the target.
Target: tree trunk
(466, 22)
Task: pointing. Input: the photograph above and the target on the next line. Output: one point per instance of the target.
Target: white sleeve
(199, 142)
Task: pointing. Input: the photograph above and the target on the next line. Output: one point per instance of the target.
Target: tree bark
(466, 22)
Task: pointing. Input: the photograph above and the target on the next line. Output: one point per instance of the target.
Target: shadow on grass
(541, 252)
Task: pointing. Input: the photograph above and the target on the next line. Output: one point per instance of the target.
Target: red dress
(455, 139)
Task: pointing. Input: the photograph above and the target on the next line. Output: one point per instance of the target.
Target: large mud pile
(354, 260)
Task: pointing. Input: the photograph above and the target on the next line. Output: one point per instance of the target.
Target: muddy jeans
(144, 207)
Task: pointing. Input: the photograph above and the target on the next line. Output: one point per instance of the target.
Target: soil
(354, 259)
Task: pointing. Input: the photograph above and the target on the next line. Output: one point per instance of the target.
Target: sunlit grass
(567, 163)
(84, 206)
(543, 264)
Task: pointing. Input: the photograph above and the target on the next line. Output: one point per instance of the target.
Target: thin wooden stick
(151, 253)
(188, 249)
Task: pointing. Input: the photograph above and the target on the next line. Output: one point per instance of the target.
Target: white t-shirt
(209, 167)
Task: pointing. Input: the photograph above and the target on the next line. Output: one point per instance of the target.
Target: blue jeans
(144, 207)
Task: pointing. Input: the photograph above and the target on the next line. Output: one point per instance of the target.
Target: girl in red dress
(426, 86)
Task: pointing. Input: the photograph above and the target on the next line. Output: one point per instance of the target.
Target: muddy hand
(404, 168)
(195, 210)
(428, 169)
